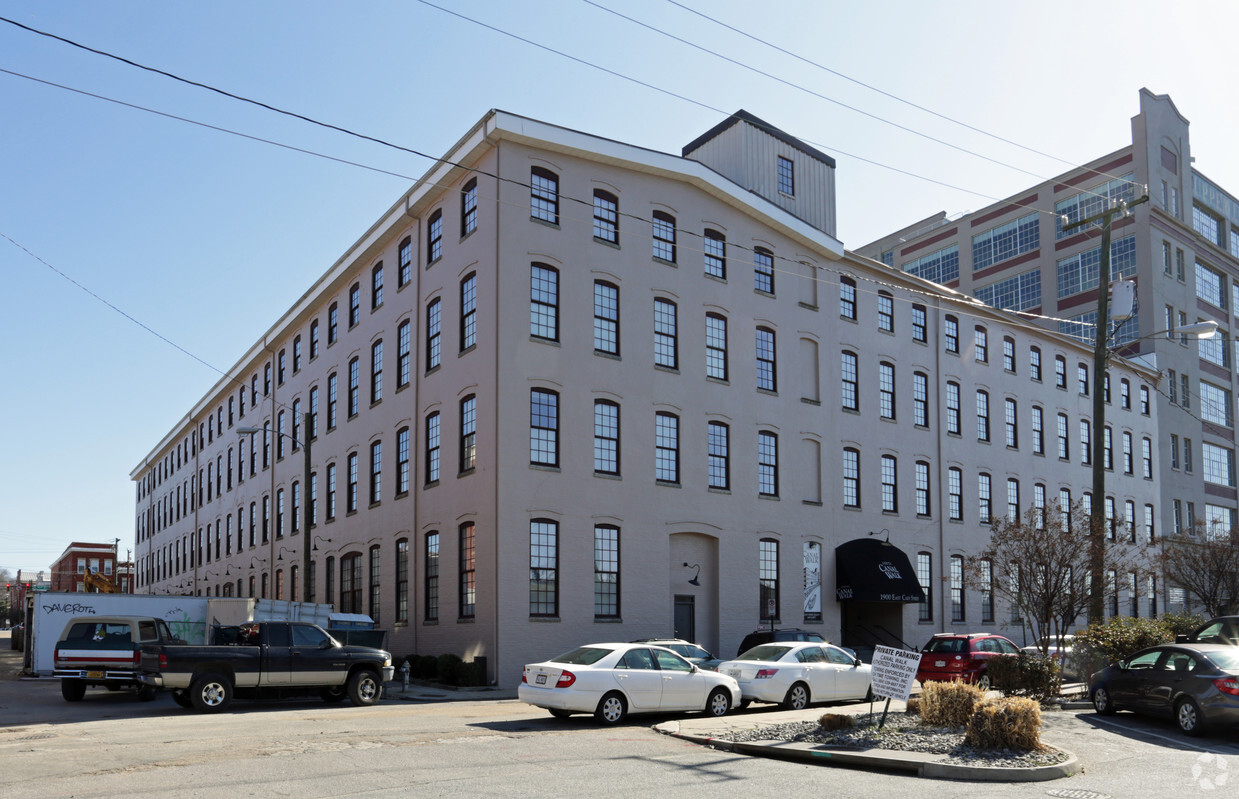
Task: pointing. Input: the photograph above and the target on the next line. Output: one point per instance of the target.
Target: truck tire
(210, 693)
(147, 693)
(364, 688)
(72, 689)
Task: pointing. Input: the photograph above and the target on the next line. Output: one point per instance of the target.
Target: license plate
(940, 664)
(94, 675)
(541, 680)
(733, 673)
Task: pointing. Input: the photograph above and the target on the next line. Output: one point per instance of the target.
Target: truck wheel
(210, 693)
(182, 698)
(146, 693)
(364, 688)
(335, 693)
(72, 690)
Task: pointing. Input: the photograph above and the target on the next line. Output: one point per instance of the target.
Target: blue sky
(202, 238)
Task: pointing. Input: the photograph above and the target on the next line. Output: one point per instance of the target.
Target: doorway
(685, 617)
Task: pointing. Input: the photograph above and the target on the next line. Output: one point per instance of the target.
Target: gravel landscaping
(903, 733)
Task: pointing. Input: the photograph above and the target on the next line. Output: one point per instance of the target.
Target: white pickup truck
(106, 651)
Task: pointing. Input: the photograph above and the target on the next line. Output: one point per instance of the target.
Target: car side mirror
(325, 644)
(693, 668)
(858, 662)
(1181, 638)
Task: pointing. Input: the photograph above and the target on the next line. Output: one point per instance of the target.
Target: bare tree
(1040, 565)
(1205, 565)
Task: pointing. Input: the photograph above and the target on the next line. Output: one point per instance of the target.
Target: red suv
(956, 656)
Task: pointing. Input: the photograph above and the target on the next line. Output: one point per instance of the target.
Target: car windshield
(947, 645)
(688, 650)
(1226, 661)
(765, 652)
(583, 656)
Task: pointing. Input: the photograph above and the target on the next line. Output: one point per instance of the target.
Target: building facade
(70, 571)
(572, 390)
(1181, 248)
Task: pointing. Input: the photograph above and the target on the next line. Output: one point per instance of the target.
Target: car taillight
(137, 656)
(1227, 685)
(566, 678)
(765, 674)
(163, 662)
(525, 676)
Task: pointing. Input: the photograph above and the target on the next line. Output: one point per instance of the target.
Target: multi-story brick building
(69, 572)
(569, 389)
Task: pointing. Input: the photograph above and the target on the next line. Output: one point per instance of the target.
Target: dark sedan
(1197, 685)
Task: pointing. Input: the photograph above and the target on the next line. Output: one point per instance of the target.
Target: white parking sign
(894, 670)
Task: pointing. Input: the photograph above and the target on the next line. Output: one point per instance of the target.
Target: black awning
(871, 570)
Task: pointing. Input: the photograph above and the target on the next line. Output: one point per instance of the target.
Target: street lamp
(308, 588)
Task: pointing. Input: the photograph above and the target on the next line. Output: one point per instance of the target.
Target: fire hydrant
(404, 675)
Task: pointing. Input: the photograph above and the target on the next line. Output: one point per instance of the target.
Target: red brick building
(69, 572)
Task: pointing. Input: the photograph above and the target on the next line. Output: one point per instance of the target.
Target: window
(402, 461)
(920, 399)
(1144, 400)
(1086, 442)
(1107, 447)
(664, 236)
(468, 433)
(1146, 458)
(716, 346)
(768, 579)
(354, 386)
(606, 216)
(1129, 466)
(923, 506)
(950, 332)
(468, 571)
(469, 208)
(1013, 499)
(886, 390)
(957, 588)
(606, 318)
(715, 248)
(955, 493)
(1039, 505)
(544, 302)
(1008, 354)
(985, 499)
(924, 575)
(1218, 464)
(468, 311)
(376, 371)
(434, 237)
(847, 298)
(666, 350)
(666, 447)
(981, 337)
(1082, 378)
(403, 357)
(375, 580)
(849, 382)
(1215, 404)
(432, 448)
(1174, 451)
(543, 427)
(402, 581)
(763, 270)
(787, 176)
(606, 572)
(543, 568)
(331, 492)
(280, 373)
(1210, 286)
(767, 464)
(886, 312)
(296, 368)
(890, 486)
(404, 271)
(1038, 430)
(987, 592)
(940, 267)
(606, 437)
(544, 195)
(354, 305)
(983, 416)
(1034, 363)
(332, 399)
(1060, 371)
(434, 333)
(919, 333)
(851, 477)
(350, 495)
(350, 583)
(1006, 241)
(767, 374)
(953, 424)
(430, 577)
(1011, 423)
(718, 458)
(376, 298)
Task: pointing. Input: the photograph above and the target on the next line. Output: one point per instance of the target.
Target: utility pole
(1097, 516)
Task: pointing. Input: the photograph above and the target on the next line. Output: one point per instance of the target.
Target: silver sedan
(794, 674)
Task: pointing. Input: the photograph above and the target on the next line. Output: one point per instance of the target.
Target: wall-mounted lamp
(318, 538)
(694, 580)
(884, 532)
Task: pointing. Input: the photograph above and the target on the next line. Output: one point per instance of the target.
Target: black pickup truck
(267, 659)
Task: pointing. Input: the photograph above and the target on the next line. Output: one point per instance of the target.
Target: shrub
(1182, 623)
(471, 674)
(450, 669)
(423, 667)
(1008, 723)
(949, 704)
(913, 706)
(1118, 639)
(1033, 676)
(836, 721)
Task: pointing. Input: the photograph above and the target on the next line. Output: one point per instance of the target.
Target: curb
(918, 764)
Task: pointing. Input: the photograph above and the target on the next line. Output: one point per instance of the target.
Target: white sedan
(794, 674)
(613, 680)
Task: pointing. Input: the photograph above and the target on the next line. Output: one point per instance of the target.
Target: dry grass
(835, 721)
(913, 706)
(1009, 723)
(949, 704)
